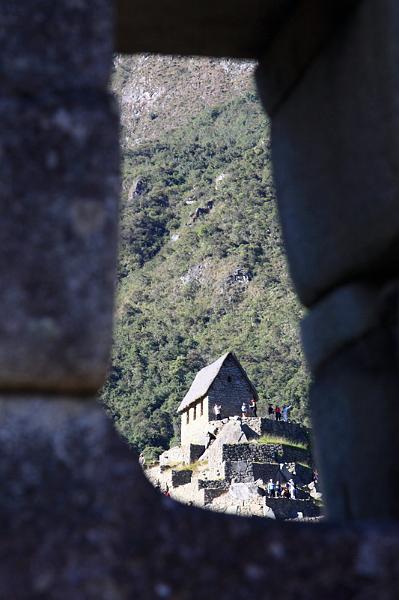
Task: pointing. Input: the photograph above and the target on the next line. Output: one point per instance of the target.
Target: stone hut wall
(230, 389)
(194, 423)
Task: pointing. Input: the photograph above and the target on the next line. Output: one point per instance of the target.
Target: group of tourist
(279, 413)
(250, 410)
(275, 489)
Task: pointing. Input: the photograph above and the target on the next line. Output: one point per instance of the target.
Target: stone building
(224, 382)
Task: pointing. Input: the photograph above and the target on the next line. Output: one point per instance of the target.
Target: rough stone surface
(235, 28)
(336, 166)
(58, 197)
(354, 400)
(80, 520)
(336, 160)
(63, 44)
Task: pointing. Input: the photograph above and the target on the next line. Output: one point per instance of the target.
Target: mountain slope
(201, 265)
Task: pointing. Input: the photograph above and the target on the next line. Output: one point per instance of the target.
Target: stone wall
(264, 453)
(181, 477)
(302, 475)
(292, 431)
(230, 389)
(257, 426)
(285, 508)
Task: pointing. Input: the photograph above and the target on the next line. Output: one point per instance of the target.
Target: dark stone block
(181, 477)
(215, 484)
(59, 211)
(58, 44)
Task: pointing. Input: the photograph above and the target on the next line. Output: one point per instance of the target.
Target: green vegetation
(191, 289)
(267, 439)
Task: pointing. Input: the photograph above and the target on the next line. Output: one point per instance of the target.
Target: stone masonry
(230, 389)
(262, 453)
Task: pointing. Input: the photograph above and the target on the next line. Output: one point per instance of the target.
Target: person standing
(270, 488)
(252, 406)
(270, 411)
(244, 409)
(277, 412)
(217, 411)
(291, 487)
(285, 412)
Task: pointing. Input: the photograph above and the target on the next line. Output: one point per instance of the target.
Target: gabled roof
(204, 379)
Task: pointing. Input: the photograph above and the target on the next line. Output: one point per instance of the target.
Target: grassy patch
(277, 439)
(194, 467)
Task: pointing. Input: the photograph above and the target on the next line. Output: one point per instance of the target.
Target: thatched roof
(204, 379)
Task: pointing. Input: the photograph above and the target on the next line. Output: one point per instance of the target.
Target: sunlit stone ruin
(226, 464)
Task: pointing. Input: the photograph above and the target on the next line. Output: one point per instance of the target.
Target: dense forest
(201, 271)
